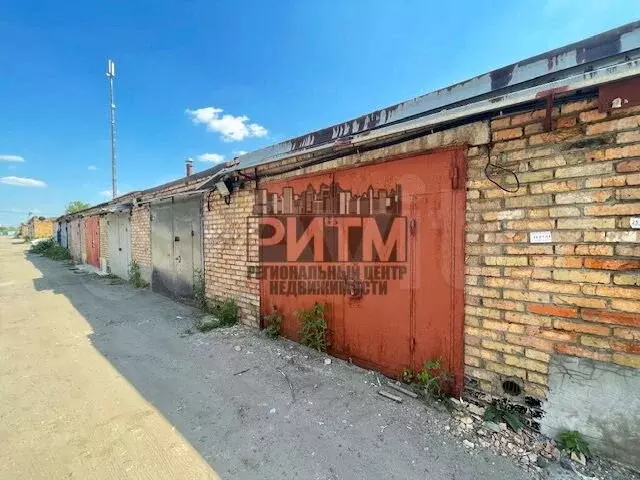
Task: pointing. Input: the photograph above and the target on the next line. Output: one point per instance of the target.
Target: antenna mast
(111, 73)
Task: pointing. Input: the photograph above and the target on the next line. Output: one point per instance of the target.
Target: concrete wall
(600, 400)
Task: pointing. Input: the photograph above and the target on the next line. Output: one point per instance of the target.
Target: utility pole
(111, 73)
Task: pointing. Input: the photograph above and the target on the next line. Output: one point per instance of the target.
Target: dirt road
(98, 380)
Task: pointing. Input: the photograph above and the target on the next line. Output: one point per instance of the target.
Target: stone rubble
(530, 449)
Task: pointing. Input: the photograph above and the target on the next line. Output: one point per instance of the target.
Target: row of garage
(81, 235)
(166, 245)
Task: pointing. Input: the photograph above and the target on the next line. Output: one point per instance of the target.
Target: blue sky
(207, 79)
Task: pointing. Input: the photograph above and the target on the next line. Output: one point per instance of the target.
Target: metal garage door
(92, 240)
(176, 245)
(63, 235)
(75, 241)
(119, 231)
(389, 264)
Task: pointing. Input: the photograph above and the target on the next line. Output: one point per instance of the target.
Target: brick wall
(578, 295)
(40, 228)
(227, 230)
(141, 239)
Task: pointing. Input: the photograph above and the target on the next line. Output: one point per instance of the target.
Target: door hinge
(412, 227)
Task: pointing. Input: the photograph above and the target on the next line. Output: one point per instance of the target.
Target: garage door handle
(177, 239)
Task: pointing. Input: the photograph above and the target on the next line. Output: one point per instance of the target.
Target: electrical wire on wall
(498, 175)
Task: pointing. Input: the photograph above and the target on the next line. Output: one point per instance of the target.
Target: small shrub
(227, 312)
(42, 246)
(501, 411)
(433, 379)
(274, 324)
(572, 441)
(135, 276)
(50, 249)
(313, 327)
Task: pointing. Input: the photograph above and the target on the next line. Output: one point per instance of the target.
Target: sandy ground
(98, 380)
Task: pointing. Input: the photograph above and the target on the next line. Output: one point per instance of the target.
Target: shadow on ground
(288, 415)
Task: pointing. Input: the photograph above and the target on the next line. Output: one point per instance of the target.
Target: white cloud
(231, 128)
(239, 153)
(107, 193)
(92, 167)
(11, 158)
(22, 182)
(211, 157)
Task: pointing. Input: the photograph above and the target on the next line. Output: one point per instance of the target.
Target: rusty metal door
(92, 240)
(400, 225)
(293, 199)
(437, 258)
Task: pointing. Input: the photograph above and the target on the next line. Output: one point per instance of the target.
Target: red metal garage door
(92, 240)
(382, 246)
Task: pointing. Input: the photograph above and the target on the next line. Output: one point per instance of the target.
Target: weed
(274, 324)
(226, 312)
(199, 290)
(501, 411)
(572, 441)
(135, 276)
(313, 327)
(433, 379)
(50, 249)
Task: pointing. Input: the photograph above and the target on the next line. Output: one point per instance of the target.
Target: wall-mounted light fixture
(225, 187)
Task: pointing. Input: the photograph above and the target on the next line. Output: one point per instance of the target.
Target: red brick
(614, 318)
(559, 336)
(566, 122)
(582, 352)
(626, 347)
(553, 310)
(628, 166)
(581, 327)
(530, 341)
(507, 134)
(611, 264)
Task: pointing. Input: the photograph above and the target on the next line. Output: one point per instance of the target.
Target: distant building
(39, 227)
